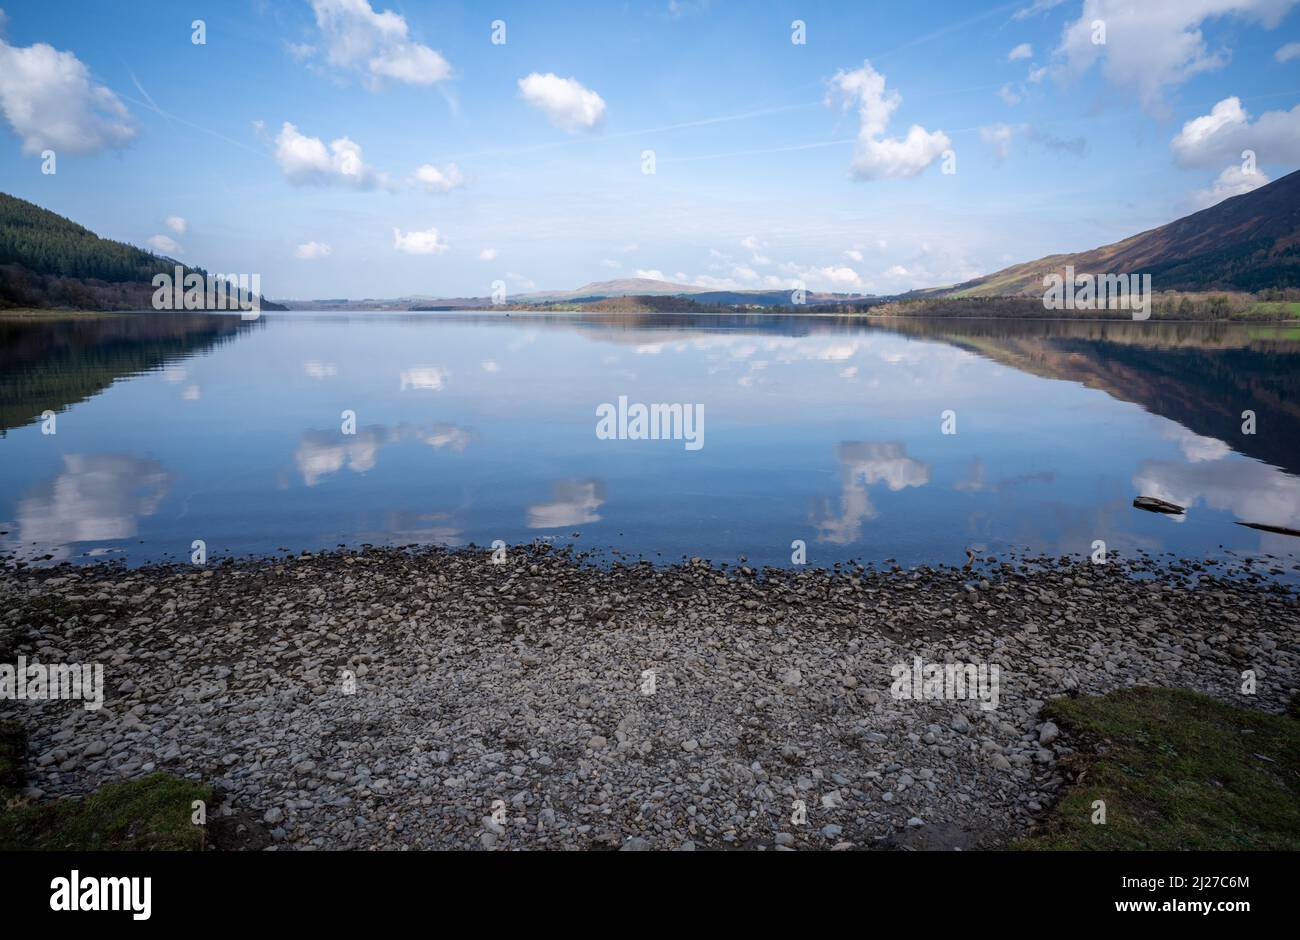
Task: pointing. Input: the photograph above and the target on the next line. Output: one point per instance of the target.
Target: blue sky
(353, 148)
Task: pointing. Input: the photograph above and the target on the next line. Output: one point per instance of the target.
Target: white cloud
(320, 370)
(177, 224)
(378, 45)
(299, 51)
(320, 454)
(427, 378)
(1151, 47)
(306, 159)
(839, 277)
(446, 435)
(755, 248)
(878, 157)
(1288, 52)
(439, 179)
(831, 277)
(487, 254)
(611, 263)
(94, 498)
(1252, 491)
(998, 137)
(1233, 181)
(651, 274)
(566, 103)
(428, 242)
(1022, 51)
(311, 251)
(1009, 95)
(573, 502)
(853, 255)
(51, 102)
(1226, 131)
(1038, 6)
(1195, 447)
(165, 245)
(490, 365)
(862, 465)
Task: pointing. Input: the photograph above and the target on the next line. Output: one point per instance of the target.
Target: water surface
(475, 427)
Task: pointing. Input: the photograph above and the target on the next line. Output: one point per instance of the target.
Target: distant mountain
(597, 293)
(648, 287)
(620, 287)
(47, 260)
(1247, 243)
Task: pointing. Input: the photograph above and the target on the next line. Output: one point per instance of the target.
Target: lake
(867, 440)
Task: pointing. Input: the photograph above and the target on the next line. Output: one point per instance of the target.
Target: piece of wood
(1151, 504)
(1279, 529)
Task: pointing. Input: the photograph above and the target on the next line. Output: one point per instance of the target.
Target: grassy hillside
(1250, 242)
(1272, 304)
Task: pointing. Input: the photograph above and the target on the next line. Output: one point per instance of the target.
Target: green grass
(1177, 770)
(150, 814)
(13, 745)
(1275, 309)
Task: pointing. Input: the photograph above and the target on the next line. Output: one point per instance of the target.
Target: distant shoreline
(54, 313)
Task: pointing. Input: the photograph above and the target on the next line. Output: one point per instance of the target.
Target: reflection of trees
(54, 363)
(1202, 376)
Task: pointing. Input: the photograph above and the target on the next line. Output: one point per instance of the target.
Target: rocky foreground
(390, 699)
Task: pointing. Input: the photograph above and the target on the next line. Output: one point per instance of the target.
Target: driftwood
(1279, 529)
(1151, 504)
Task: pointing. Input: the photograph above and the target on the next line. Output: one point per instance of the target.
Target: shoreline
(526, 683)
(31, 313)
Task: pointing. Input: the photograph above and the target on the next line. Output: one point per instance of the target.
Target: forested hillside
(49, 261)
(46, 243)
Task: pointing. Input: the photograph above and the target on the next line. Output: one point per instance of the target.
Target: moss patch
(1176, 770)
(13, 747)
(152, 813)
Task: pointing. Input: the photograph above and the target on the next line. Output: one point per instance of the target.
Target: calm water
(471, 428)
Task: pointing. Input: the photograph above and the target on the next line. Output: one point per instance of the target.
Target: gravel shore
(386, 698)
